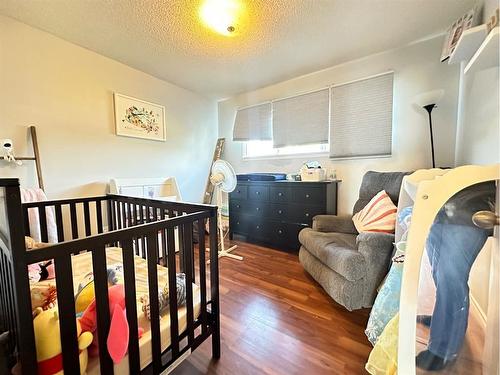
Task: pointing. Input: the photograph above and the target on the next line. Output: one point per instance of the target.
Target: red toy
(118, 336)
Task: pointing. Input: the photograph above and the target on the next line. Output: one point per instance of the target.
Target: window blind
(253, 123)
(361, 117)
(301, 119)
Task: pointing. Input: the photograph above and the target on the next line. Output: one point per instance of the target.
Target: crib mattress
(82, 264)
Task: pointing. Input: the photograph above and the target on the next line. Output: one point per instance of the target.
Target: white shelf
(467, 45)
(487, 54)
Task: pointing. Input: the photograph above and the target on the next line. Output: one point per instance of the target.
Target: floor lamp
(428, 101)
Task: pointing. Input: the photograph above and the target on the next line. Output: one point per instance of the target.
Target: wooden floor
(276, 320)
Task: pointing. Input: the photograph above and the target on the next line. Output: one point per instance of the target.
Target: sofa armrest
(377, 249)
(334, 223)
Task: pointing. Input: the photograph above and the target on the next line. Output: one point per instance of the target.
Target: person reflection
(452, 246)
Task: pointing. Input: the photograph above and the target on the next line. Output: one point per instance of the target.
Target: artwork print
(138, 118)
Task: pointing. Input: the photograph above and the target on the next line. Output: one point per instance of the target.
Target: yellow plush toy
(48, 343)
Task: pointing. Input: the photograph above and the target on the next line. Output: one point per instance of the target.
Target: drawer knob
(237, 223)
(280, 231)
(258, 227)
(307, 214)
(237, 206)
(280, 194)
(280, 211)
(307, 195)
(238, 191)
(257, 192)
(257, 208)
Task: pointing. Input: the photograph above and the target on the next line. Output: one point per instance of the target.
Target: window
(361, 117)
(257, 149)
(348, 120)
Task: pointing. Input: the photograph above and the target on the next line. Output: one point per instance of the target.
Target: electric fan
(224, 180)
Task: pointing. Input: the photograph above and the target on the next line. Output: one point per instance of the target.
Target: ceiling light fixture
(221, 15)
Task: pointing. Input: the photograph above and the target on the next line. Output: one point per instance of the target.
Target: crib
(138, 229)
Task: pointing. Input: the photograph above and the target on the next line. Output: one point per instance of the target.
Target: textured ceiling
(276, 40)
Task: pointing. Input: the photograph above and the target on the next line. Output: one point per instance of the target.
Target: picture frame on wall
(454, 32)
(138, 118)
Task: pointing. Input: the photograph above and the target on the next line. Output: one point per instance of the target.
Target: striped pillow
(379, 215)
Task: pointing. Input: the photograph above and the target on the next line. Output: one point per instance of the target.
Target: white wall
(478, 142)
(67, 92)
(417, 69)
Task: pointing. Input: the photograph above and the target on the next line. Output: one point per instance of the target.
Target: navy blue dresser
(273, 212)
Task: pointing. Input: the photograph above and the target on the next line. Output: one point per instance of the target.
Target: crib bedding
(82, 263)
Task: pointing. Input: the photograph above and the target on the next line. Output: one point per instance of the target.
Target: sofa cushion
(337, 251)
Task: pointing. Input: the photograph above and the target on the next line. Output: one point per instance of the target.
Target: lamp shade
(428, 98)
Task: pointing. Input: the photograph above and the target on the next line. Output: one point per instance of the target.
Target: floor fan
(224, 180)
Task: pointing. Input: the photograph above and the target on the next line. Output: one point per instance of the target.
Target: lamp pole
(429, 108)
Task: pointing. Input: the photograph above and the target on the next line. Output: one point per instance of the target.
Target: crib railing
(139, 227)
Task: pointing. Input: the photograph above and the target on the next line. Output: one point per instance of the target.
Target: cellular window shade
(301, 119)
(253, 123)
(361, 117)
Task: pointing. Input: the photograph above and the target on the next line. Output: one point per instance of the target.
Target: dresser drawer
(256, 208)
(241, 192)
(237, 207)
(280, 194)
(258, 193)
(240, 224)
(306, 195)
(279, 212)
(259, 230)
(305, 213)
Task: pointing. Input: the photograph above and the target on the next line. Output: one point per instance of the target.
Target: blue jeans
(452, 249)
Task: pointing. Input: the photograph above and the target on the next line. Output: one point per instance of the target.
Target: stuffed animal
(48, 343)
(86, 294)
(118, 335)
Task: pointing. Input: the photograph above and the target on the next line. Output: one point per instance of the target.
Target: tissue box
(316, 174)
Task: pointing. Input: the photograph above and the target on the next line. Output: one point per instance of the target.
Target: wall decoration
(468, 20)
(138, 118)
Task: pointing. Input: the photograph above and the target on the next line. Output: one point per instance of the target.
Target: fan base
(227, 253)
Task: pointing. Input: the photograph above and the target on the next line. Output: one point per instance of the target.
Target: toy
(86, 293)
(118, 335)
(48, 343)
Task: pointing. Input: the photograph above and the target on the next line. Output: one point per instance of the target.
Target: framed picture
(138, 118)
(454, 32)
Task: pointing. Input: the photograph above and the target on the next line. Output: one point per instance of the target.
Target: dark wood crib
(147, 228)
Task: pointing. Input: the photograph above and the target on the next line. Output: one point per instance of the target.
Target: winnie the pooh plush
(48, 343)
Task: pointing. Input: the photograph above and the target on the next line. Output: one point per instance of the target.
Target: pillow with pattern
(379, 215)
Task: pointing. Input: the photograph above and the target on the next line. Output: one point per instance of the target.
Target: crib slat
(131, 304)
(110, 215)
(59, 223)
(74, 220)
(174, 322)
(188, 254)
(86, 216)
(214, 283)
(119, 214)
(42, 214)
(102, 307)
(66, 308)
(154, 307)
(129, 215)
(203, 275)
(26, 222)
(98, 213)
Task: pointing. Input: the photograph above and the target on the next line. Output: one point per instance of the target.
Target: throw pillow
(379, 215)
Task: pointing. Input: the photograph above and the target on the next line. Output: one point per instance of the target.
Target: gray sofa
(347, 264)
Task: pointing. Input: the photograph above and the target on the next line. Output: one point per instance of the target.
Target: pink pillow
(379, 215)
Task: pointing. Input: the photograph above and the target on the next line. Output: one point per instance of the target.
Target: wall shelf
(468, 44)
(487, 54)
